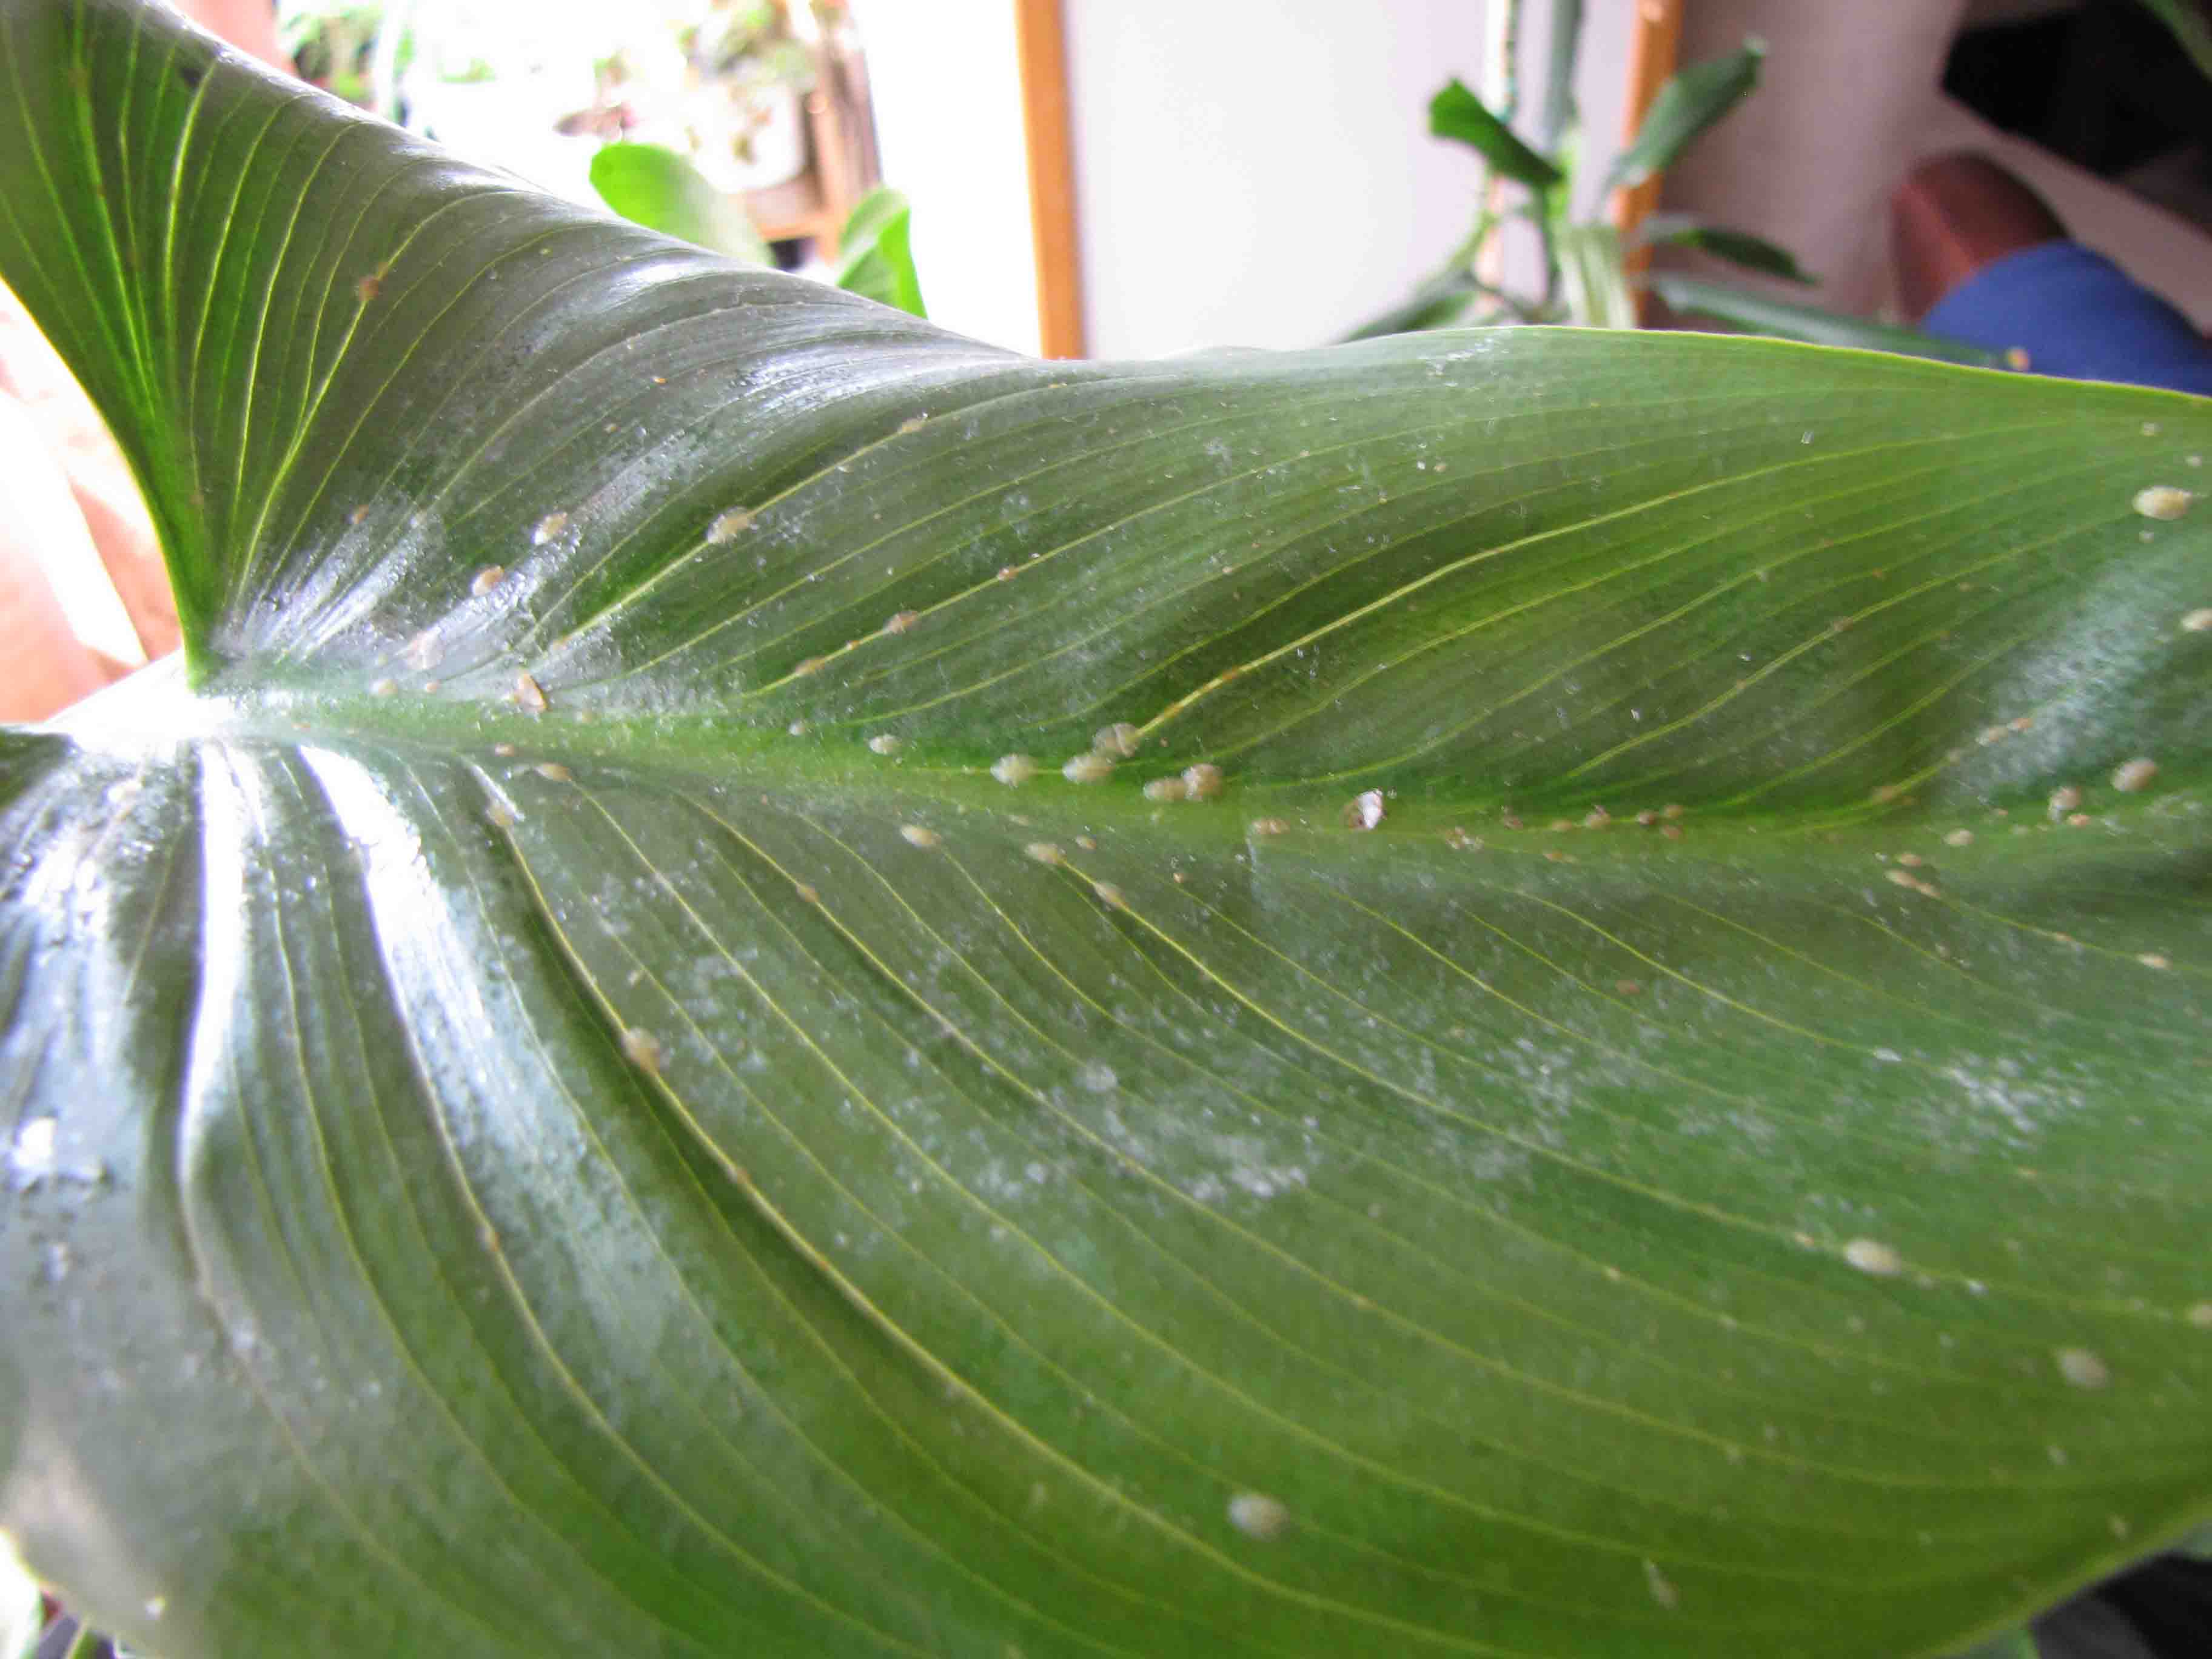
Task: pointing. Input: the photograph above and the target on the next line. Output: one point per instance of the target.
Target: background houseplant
(626, 1114)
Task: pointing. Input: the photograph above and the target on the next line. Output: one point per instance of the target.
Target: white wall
(946, 87)
(1259, 172)
(1249, 172)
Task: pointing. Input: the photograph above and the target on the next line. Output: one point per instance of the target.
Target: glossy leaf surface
(561, 1103)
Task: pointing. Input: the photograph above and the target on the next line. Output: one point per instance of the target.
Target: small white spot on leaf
(547, 528)
(1257, 1515)
(917, 834)
(1202, 781)
(1013, 770)
(2134, 775)
(642, 1049)
(1087, 769)
(1119, 739)
(2162, 502)
(2083, 1368)
(33, 1152)
(1872, 1256)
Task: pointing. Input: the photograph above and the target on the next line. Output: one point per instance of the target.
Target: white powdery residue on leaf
(32, 1153)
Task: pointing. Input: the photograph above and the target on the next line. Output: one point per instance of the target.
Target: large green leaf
(704, 1167)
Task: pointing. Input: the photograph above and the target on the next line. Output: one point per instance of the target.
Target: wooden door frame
(1041, 47)
(1654, 44)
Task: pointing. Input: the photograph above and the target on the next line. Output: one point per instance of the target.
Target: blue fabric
(2077, 315)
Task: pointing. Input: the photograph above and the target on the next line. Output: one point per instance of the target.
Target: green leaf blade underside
(667, 1173)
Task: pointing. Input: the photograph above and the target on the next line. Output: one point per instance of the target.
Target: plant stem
(1501, 58)
(1560, 74)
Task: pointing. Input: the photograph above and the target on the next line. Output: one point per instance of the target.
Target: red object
(1955, 214)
